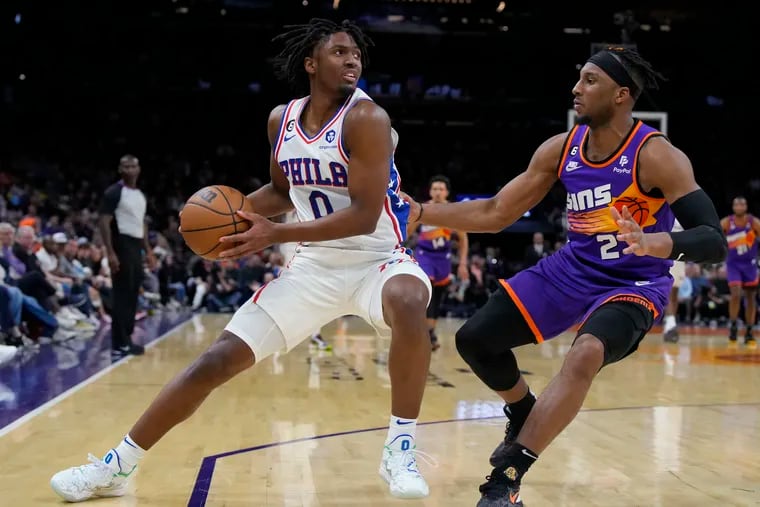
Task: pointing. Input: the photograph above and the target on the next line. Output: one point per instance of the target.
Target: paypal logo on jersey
(307, 171)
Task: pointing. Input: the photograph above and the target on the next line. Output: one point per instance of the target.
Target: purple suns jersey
(434, 240)
(592, 189)
(742, 241)
(433, 252)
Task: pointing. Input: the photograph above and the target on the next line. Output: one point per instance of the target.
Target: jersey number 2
(609, 241)
(315, 198)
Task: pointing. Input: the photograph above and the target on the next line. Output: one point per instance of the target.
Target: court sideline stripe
(202, 484)
(84, 383)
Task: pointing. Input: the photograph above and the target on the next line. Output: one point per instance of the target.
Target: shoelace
(97, 462)
(496, 484)
(508, 436)
(409, 459)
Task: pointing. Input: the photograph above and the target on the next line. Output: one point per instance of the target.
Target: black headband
(606, 61)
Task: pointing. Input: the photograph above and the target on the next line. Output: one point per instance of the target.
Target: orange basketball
(638, 208)
(211, 213)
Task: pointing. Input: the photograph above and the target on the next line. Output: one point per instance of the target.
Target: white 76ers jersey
(317, 169)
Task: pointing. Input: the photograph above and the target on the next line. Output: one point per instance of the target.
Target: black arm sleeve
(702, 239)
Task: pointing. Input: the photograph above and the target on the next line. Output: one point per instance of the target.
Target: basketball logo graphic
(638, 208)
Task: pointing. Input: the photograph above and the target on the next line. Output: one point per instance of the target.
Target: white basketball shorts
(321, 285)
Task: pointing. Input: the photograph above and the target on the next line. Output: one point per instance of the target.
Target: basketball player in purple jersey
(331, 159)
(625, 182)
(742, 231)
(433, 252)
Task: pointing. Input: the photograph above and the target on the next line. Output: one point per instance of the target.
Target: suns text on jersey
(589, 198)
(307, 171)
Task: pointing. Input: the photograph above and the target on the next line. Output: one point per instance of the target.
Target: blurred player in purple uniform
(742, 231)
(433, 252)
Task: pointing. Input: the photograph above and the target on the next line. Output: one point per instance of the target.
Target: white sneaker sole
(75, 499)
(409, 495)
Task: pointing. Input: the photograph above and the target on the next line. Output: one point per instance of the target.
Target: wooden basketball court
(674, 425)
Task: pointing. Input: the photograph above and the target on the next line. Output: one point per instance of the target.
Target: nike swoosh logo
(529, 454)
(641, 284)
(288, 138)
(402, 423)
(514, 497)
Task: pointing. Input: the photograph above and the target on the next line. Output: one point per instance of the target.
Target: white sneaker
(399, 469)
(96, 479)
(64, 320)
(7, 352)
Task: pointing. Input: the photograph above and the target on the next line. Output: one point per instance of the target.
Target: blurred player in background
(742, 231)
(434, 250)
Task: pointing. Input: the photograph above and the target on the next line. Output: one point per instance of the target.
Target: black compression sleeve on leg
(434, 308)
(702, 239)
(486, 340)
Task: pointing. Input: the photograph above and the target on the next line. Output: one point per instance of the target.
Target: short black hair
(299, 43)
(442, 179)
(128, 157)
(640, 70)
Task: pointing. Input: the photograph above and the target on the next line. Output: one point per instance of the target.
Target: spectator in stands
(224, 294)
(685, 299)
(31, 219)
(715, 297)
(14, 304)
(32, 280)
(536, 251)
(69, 266)
(481, 283)
(700, 285)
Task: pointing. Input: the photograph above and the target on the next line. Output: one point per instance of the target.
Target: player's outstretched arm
(724, 224)
(663, 166)
(272, 199)
(502, 210)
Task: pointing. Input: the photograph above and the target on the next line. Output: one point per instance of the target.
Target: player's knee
(227, 357)
(405, 297)
(585, 357)
(468, 341)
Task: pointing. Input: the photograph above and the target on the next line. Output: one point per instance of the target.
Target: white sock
(125, 456)
(670, 322)
(401, 433)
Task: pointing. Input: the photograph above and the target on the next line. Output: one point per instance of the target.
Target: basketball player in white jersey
(678, 272)
(331, 159)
